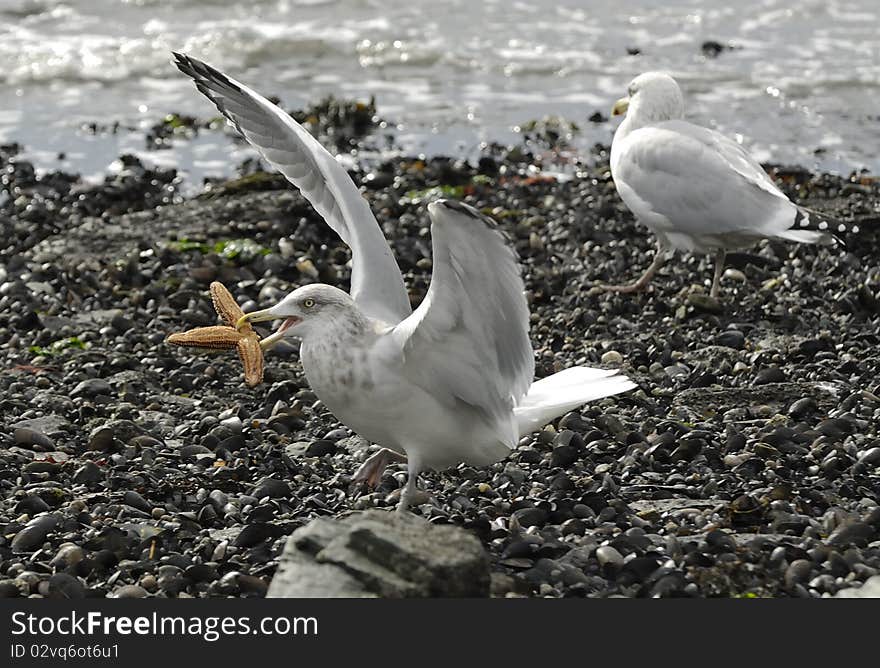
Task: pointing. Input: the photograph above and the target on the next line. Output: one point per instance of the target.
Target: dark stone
(66, 587)
(201, 572)
(802, 408)
(530, 517)
(858, 534)
(731, 338)
(321, 448)
(798, 571)
(91, 388)
(32, 505)
(271, 487)
(135, 500)
(34, 533)
(563, 456)
(254, 534)
(720, 541)
(687, 449)
(573, 527)
(771, 374)
(88, 474)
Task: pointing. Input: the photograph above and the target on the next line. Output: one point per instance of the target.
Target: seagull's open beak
(264, 316)
(620, 107)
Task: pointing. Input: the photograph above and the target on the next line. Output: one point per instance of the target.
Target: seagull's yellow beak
(255, 316)
(620, 107)
(242, 320)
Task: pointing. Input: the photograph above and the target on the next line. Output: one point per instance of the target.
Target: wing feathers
(376, 284)
(469, 340)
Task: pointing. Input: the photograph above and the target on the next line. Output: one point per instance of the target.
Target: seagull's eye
(308, 303)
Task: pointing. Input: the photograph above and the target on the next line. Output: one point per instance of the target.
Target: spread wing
(468, 341)
(376, 284)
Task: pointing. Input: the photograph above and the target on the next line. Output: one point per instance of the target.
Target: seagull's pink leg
(370, 472)
(641, 284)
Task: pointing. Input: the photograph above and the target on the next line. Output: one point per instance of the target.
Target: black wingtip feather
(201, 72)
(206, 79)
(808, 219)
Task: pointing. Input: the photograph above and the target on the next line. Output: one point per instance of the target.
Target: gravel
(745, 465)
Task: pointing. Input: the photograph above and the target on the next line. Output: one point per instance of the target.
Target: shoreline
(743, 466)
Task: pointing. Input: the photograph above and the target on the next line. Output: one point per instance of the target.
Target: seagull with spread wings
(452, 381)
(697, 190)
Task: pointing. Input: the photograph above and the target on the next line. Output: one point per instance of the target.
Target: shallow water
(802, 85)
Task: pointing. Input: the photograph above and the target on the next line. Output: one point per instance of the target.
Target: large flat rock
(381, 553)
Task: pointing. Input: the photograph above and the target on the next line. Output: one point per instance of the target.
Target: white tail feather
(555, 395)
(804, 236)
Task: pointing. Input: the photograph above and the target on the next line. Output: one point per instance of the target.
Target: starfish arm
(218, 337)
(252, 358)
(226, 306)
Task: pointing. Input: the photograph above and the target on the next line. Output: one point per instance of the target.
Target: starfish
(224, 337)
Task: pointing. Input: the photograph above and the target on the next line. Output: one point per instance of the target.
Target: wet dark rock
(129, 591)
(771, 374)
(9, 589)
(687, 449)
(798, 571)
(101, 438)
(732, 338)
(91, 388)
(193, 451)
(201, 572)
(34, 533)
(275, 489)
(609, 557)
(32, 504)
(170, 579)
(563, 456)
(254, 534)
(530, 517)
(250, 585)
(802, 408)
(573, 527)
(65, 587)
(88, 474)
(135, 500)
(746, 510)
(321, 448)
(668, 586)
(858, 534)
(720, 541)
(640, 568)
(27, 437)
(790, 523)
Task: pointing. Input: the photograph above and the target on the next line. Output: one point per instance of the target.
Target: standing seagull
(697, 190)
(452, 381)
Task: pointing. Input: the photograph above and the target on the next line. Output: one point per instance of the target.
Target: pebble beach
(745, 464)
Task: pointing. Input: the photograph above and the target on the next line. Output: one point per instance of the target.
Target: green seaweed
(436, 192)
(255, 182)
(240, 250)
(244, 250)
(58, 347)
